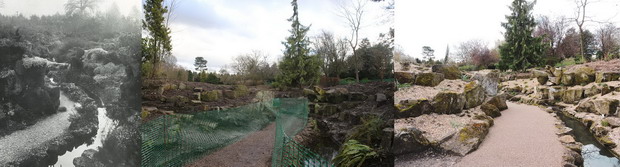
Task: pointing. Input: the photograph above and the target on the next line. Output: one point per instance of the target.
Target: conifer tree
(520, 50)
(298, 68)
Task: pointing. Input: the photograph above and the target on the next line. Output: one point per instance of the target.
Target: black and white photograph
(69, 82)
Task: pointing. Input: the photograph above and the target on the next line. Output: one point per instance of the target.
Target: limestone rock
(607, 76)
(467, 139)
(448, 102)
(409, 140)
(568, 79)
(572, 95)
(599, 106)
(337, 95)
(413, 108)
(499, 101)
(567, 139)
(449, 71)
(541, 76)
(489, 81)
(429, 79)
(490, 110)
(404, 77)
(612, 121)
(474, 94)
(380, 97)
(584, 75)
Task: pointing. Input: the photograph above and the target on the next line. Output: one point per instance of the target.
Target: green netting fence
(175, 140)
(291, 118)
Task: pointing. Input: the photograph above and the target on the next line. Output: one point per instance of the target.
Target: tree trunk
(357, 76)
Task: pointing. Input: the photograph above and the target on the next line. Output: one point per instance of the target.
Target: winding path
(253, 150)
(19, 143)
(523, 136)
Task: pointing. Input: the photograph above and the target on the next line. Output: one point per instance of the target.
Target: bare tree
(552, 32)
(353, 14)
(465, 50)
(607, 37)
(250, 65)
(80, 6)
(171, 5)
(325, 48)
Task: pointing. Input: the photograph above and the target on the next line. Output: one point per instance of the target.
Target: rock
(541, 76)
(380, 97)
(568, 79)
(337, 95)
(542, 92)
(489, 81)
(449, 71)
(591, 90)
(413, 108)
(409, 140)
(386, 138)
(556, 93)
(564, 130)
(62, 109)
(429, 79)
(179, 101)
(567, 139)
(241, 90)
(572, 95)
(448, 102)
(490, 110)
(404, 77)
(310, 94)
(182, 86)
(214, 95)
(358, 96)
(599, 106)
(474, 94)
(326, 110)
(198, 89)
(606, 141)
(196, 96)
(612, 121)
(467, 139)
(583, 75)
(606, 76)
(229, 94)
(606, 89)
(87, 159)
(499, 101)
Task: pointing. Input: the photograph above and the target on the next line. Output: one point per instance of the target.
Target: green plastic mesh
(175, 140)
(291, 118)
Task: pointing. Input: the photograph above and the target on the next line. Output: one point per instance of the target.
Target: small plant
(405, 85)
(353, 153)
(369, 131)
(604, 123)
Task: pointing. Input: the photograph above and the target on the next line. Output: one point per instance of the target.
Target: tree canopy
(520, 50)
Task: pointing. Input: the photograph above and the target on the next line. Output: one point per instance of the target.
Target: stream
(105, 126)
(594, 154)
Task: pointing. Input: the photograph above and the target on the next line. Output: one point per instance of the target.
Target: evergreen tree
(521, 50)
(298, 67)
(190, 76)
(156, 46)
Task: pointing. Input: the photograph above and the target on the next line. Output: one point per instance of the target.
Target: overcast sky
(438, 23)
(222, 29)
(51, 7)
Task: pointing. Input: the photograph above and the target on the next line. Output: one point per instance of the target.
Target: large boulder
(415, 134)
(468, 138)
(489, 81)
(409, 140)
(572, 95)
(449, 71)
(31, 71)
(490, 110)
(413, 108)
(499, 101)
(337, 95)
(606, 106)
(541, 76)
(404, 77)
(607, 76)
(474, 94)
(429, 79)
(583, 75)
(448, 102)
(591, 90)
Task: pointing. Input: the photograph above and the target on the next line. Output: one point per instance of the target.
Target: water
(105, 126)
(594, 154)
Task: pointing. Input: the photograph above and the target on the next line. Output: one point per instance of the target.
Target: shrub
(353, 153)
(468, 68)
(369, 131)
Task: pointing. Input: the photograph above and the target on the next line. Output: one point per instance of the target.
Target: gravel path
(21, 142)
(253, 150)
(523, 136)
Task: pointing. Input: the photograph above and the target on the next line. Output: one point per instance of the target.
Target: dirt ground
(254, 150)
(602, 66)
